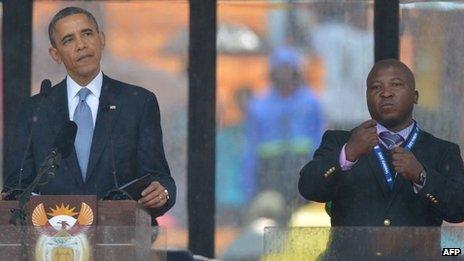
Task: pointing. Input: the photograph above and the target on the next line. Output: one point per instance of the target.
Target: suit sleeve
(150, 152)
(444, 187)
(318, 178)
(18, 148)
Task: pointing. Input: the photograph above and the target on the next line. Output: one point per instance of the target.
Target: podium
(74, 227)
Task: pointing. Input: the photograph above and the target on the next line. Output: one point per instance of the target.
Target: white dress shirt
(92, 99)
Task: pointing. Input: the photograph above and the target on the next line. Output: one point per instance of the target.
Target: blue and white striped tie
(391, 140)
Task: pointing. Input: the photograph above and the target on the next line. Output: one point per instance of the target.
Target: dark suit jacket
(361, 196)
(136, 133)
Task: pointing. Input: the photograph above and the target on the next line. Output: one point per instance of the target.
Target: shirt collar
(94, 86)
(404, 132)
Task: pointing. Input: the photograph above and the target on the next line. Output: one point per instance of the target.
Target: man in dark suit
(387, 171)
(112, 118)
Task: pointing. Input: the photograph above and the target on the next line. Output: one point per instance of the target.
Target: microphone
(45, 87)
(13, 194)
(64, 140)
(116, 193)
(62, 146)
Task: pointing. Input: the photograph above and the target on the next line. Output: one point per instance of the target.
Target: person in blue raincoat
(282, 129)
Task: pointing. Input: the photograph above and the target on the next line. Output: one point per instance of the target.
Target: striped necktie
(391, 140)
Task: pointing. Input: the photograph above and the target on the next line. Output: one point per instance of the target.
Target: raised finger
(368, 124)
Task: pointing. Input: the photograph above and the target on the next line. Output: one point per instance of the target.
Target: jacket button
(386, 222)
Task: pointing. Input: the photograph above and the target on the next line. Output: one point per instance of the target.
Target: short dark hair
(72, 10)
(386, 63)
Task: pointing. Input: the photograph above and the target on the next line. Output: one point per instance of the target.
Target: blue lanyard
(383, 162)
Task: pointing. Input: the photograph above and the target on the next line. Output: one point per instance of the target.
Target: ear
(55, 54)
(416, 97)
(102, 39)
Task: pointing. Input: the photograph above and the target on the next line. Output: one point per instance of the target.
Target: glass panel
(146, 43)
(1, 95)
(100, 242)
(286, 71)
(431, 41)
(361, 243)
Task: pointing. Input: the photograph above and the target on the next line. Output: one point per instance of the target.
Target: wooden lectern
(61, 226)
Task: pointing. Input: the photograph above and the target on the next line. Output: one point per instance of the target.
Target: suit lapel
(58, 114)
(419, 148)
(108, 110)
(378, 174)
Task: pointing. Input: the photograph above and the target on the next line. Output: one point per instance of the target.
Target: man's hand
(406, 164)
(154, 196)
(362, 140)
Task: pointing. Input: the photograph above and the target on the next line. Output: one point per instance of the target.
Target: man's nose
(386, 92)
(80, 43)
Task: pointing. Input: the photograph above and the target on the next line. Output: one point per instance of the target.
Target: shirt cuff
(344, 163)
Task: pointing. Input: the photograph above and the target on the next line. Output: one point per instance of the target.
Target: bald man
(388, 171)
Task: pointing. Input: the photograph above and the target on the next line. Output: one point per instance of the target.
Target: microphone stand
(18, 215)
(116, 193)
(16, 192)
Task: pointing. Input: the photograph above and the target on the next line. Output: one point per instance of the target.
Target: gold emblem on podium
(62, 232)
(62, 254)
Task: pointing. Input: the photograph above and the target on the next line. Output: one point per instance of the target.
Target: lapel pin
(112, 107)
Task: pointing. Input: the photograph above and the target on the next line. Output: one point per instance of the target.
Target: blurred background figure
(341, 40)
(283, 126)
(266, 210)
(230, 193)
